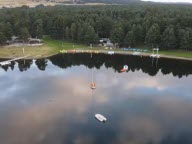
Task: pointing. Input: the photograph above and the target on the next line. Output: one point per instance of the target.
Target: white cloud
(171, 1)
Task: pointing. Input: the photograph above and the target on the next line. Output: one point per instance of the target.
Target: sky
(183, 1)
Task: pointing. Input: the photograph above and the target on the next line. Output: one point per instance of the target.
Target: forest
(142, 24)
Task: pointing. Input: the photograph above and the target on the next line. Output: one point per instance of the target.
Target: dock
(9, 61)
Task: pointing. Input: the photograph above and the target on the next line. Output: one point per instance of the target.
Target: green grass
(177, 53)
(33, 52)
(60, 45)
(52, 47)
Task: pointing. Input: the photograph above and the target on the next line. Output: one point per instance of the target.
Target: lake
(49, 101)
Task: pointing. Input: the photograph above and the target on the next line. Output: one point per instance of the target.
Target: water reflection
(41, 63)
(55, 104)
(150, 66)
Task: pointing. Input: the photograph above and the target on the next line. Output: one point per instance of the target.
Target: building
(34, 41)
(16, 40)
(109, 45)
(106, 42)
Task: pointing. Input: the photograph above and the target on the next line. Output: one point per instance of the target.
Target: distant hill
(111, 1)
(17, 3)
(32, 3)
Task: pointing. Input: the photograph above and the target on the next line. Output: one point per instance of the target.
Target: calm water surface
(49, 101)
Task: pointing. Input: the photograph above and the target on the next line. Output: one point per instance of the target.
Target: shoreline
(103, 52)
(144, 54)
(31, 57)
(52, 47)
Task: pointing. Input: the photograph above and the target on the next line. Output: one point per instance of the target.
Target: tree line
(153, 25)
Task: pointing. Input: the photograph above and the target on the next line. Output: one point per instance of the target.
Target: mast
(92, 76)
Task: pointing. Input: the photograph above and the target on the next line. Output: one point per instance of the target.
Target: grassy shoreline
(49, 48)
(53, 47)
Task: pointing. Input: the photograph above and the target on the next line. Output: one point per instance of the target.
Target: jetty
(9, 61)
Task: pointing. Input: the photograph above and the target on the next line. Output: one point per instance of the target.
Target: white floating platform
(136, 53)
(155, 55)
(100, 118)
(111, 52)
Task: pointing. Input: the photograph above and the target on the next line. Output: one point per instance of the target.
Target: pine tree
(140, 34)
(168, 38)
(60, 26)
(2, 38)
(48, 27)
(67, 33)
(190, 39)
(73, 31)
(184, 39)
(129, 39)
(90, 36)
(117, 35)
(81, 32)
(153, 36)
(8, 31)
(38, 28)
(24, 34)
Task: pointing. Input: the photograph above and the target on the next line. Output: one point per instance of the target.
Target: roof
(109, 44)
(34, 39)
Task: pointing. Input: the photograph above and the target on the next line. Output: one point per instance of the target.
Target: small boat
(71, 51)
(100, 118)
(124, 69)
(110, 52)
(153, 55)
(157, 56)
(93, 86)
(136, 53)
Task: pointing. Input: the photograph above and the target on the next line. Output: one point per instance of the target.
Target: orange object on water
(123, 70)
(93, 86)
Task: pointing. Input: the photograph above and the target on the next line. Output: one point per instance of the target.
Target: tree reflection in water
(148, 65)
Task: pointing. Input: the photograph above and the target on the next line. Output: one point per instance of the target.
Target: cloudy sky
(170, 0)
